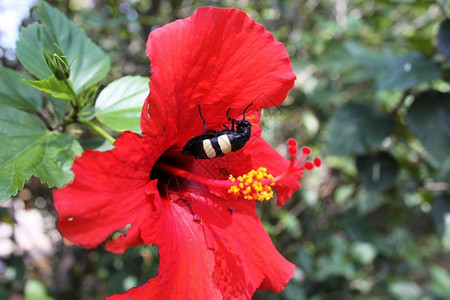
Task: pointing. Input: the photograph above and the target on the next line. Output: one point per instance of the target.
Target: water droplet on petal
(69, 218)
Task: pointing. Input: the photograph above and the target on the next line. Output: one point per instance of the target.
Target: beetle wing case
(194, 146)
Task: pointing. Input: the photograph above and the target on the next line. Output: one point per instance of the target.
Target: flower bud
(58, 63)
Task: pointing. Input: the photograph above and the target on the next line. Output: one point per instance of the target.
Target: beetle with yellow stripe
(217, 143)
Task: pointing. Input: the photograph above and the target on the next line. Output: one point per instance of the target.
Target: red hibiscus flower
(199, 212)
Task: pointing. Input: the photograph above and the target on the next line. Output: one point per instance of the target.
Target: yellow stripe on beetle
(209, 150)
(224, 143)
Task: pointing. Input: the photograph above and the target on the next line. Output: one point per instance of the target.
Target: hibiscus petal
(217, 58)
(186, 263)
(218, 245)
(245, 258)
(109, 193)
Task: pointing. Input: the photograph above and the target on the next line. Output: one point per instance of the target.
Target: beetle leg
(230, 119)
(203, 120)
(226, 127)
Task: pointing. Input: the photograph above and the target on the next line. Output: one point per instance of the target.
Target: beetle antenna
(245, 109)
(201, 116)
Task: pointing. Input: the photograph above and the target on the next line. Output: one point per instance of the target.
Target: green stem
(399, 105)
(98, 129)
(45, 120)
(74, 96)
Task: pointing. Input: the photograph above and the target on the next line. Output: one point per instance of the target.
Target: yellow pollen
(251, 185)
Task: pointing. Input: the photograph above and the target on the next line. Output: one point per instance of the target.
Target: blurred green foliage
(372, 97)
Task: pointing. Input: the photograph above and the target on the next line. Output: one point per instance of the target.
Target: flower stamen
(257, 184)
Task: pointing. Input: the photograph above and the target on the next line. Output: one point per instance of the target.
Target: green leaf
(429, 119)
(443, 38)
(98, 144)
(367, 202)
(364, 253)
(353, 61)
(56, 88)
(407, 71)
(119, 105)
(294, 291)
(59, 107)
(357, 128)
(440, 281)
(16, 93)
(27, 148)
(440, 211)
(405, 290)
(377, 171)
(305, 261)
(346, 56)
(91, 64)
(35, 290)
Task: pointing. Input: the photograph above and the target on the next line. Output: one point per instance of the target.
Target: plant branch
(45, 120)
(399, 105)
(75, 100)
(97, 128)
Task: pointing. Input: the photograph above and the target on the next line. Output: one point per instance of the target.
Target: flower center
(256, 184)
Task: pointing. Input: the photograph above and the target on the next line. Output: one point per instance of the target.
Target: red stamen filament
(191, 176)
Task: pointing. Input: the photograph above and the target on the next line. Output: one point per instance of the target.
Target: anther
(291, 142)
(317, 162)
(292, 151)
(306, 150)
(308, 165)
